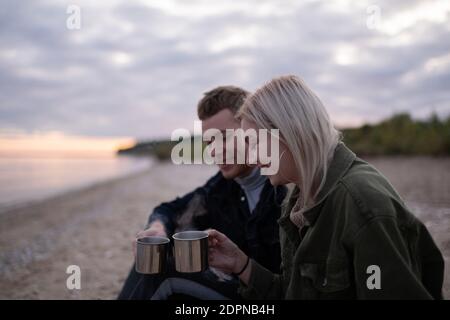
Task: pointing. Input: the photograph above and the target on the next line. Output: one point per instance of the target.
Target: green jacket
(361, 242)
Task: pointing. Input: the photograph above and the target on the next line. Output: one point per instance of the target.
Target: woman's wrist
(241, 263)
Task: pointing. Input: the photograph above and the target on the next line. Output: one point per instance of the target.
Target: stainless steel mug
(191, 251)
(151, 254)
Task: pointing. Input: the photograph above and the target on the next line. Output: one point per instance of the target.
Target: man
(237, 201)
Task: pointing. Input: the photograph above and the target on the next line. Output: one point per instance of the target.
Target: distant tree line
(398, 135)
(401, 135)
(161, 149)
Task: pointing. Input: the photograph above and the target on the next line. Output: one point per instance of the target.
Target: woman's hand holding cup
(224, 254)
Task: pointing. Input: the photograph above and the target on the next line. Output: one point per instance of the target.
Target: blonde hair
(287, 104)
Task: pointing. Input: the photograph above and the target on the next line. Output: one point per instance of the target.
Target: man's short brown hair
(217, 99)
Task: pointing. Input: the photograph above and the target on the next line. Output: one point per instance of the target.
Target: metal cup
(151, 254)
(191, 251)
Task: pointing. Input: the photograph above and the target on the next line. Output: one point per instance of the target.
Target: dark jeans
(143, 286)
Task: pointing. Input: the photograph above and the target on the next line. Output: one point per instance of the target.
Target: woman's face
(287, 172)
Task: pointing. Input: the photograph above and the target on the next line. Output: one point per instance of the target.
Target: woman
(345, 232)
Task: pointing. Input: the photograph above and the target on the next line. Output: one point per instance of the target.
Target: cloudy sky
(138, 68)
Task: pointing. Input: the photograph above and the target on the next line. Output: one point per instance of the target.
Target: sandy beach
(93, 227)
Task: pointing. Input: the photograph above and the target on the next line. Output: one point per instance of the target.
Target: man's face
(222, 121)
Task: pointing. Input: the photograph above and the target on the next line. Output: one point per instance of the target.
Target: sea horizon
(26, 177)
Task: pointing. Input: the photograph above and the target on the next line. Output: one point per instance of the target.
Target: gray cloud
(138, 70)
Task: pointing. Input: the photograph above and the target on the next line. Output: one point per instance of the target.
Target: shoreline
(67, 192)
(42, 244)
(28, 177)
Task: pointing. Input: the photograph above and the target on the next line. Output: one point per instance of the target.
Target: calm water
(27, 179)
